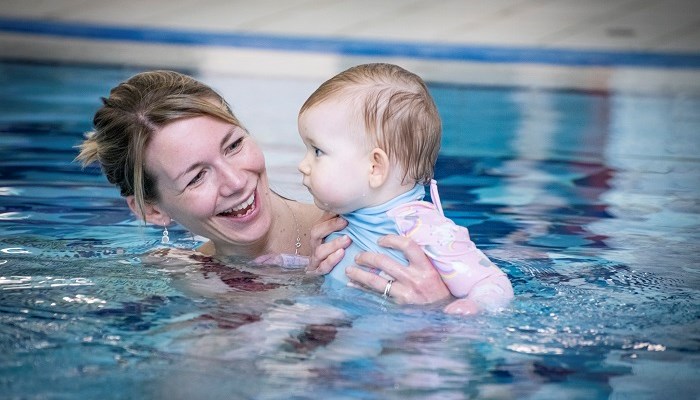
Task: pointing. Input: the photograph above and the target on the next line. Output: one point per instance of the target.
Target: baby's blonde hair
(400, 116)
(134, 111)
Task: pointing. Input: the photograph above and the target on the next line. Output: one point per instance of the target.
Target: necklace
(297, 245)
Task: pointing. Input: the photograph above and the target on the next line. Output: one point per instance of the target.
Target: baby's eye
(317, 151)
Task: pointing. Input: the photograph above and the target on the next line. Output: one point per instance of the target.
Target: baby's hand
(491, 294)
(463, 307)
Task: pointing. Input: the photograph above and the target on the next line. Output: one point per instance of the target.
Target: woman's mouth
(242, 209)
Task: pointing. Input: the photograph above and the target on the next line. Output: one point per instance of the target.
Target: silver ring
(387, 288)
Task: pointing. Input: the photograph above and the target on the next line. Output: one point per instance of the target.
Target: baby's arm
(470, 275)
(488, 294)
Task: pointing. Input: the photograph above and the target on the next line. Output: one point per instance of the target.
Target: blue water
(589, 201)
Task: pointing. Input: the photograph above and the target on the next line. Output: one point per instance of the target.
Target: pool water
(588, 200)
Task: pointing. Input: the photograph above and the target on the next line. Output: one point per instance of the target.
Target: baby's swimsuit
(464, 268)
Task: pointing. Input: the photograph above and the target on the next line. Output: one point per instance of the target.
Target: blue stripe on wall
(353, 47)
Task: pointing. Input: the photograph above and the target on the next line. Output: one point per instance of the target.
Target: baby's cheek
(325, 198)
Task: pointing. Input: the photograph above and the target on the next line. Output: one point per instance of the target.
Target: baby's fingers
(462, 307)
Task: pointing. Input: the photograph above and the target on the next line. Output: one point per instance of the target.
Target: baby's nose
(303, 166)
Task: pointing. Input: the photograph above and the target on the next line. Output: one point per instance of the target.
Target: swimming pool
(588, 200)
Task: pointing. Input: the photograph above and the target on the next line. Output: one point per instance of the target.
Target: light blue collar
(367, 225)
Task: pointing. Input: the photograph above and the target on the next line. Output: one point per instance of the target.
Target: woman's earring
(165, 239)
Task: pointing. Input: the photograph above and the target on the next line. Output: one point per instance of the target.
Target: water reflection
(599, 198)
(654, 193)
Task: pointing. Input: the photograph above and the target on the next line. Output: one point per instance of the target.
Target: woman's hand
(419, 283)
(325, 256)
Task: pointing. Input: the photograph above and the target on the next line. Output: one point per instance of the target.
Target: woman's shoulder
(309, 210)
(309, 214)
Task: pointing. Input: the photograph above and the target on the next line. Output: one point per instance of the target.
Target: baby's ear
(380, 168)
(151, 212)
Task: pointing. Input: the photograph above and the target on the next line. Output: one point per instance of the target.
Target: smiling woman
(201, 168)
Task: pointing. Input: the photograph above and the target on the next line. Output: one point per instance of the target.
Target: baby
(372, 135)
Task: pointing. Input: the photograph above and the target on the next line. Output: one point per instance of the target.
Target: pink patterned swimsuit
(466, 271)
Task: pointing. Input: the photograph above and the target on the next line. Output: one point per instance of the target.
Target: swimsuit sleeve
(465, 269)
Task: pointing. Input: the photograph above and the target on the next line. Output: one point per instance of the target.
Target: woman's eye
(235, 145)
(196, 178)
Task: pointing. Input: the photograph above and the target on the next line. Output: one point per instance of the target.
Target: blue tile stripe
(353, 47)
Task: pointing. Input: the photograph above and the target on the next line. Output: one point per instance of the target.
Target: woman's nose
(231, 180)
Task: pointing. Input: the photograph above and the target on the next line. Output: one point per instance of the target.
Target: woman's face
(211, 179)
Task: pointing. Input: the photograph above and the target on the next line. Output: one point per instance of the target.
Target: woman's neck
(288, 232)
(285, 235)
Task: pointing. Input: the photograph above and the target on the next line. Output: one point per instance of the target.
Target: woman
(176, 151)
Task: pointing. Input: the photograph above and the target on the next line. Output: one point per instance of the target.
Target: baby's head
(400, 116)
(371, 132)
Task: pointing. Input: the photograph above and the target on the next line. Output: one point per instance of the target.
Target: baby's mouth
(242, 209)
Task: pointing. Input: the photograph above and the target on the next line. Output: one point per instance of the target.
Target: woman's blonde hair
(133, 112)
(399, 114)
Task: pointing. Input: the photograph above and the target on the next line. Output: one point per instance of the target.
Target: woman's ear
(151, 212)
(380, 168)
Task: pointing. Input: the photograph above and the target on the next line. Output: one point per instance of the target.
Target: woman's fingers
(325, 256)
(382, 284)
(411, 250)
(417, 283)
(369, 280)
(383, 263)
(328, 224)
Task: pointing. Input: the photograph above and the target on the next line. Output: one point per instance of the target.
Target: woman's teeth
(241, 209)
